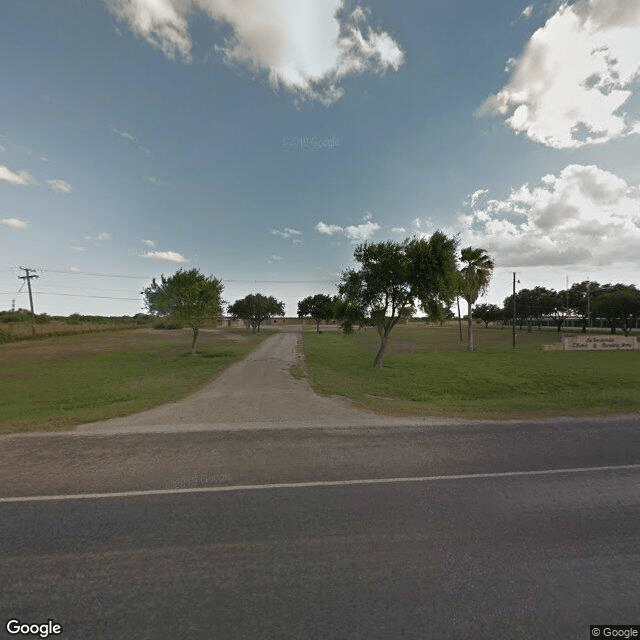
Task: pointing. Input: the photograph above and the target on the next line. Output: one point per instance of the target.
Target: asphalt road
(473, 554)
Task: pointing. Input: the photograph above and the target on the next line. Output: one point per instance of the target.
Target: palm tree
(476, 276)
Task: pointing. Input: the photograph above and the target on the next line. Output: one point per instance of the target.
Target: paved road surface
(223, 530)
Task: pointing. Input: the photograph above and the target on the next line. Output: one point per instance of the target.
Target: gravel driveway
(257, 392)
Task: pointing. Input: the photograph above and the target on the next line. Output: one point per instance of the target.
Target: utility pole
(28, 276)
(514, 309)
(566, 313)
(588, 307)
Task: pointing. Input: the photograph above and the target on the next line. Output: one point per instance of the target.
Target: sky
(261, 140)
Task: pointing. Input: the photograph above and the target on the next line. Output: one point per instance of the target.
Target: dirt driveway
(257, 392)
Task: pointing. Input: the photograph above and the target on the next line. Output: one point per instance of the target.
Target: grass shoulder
(428, 371)
(59, 382)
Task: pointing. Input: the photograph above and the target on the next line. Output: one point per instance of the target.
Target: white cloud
(75, 269)
(160, 183)
(527, 12)
(22, 178)
(14, 223)
(306, 46)
(168, 256)
(286, 233)
(361, 232)
(583, 216)
(420, 224)
(359, 13)
(328, 229)
(398, 230)
(274, 258)
(355, 233)
(149, 243)
(101, 236)
(572, 83)
(78, 247)
(126, 135)
(475, 195)
(59, 185)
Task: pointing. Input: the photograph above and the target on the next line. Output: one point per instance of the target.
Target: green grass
(60, 382)
(427, 371)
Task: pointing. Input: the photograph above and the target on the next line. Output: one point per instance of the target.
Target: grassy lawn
(428, 371)
(59, 382)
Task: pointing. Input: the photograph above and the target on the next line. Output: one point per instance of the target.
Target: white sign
(611, 342)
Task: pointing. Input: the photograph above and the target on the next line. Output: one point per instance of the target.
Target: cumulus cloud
(473, 200)
(59, 185)
(168, 256)
(21, 178)
(286, 233)
(573, 82)
(328, 229)
(527, 12)
(361, 232)
(355, 233)
(398, 230)
(422, 224)
(15, 223)
(583, 216)
(305, 46)
(148, 243)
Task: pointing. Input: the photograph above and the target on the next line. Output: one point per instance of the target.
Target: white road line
(321, 483)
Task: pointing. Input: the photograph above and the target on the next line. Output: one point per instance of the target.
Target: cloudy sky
(261, 140)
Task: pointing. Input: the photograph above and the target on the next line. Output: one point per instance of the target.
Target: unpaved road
(257, 392)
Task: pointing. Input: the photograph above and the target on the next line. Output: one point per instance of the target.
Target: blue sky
(261, 141)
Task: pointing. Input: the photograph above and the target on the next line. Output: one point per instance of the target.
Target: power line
(80, 295)
(120, 275)
(103, 275)
(277, 281)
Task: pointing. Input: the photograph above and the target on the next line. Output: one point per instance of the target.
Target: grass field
(428, 371)
(59, 382)
(14, 331)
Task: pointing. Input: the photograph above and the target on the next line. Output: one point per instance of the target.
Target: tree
(187, 296)
(319, 307)
(554, 304)
(392, 276)
(255, 308)
(435, 311)
(530, 304)
(476, 275)
(488, 313)
(581, 296)
(619, 304)
(348, 313)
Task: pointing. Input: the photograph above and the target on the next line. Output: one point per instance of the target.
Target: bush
(166, 323)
